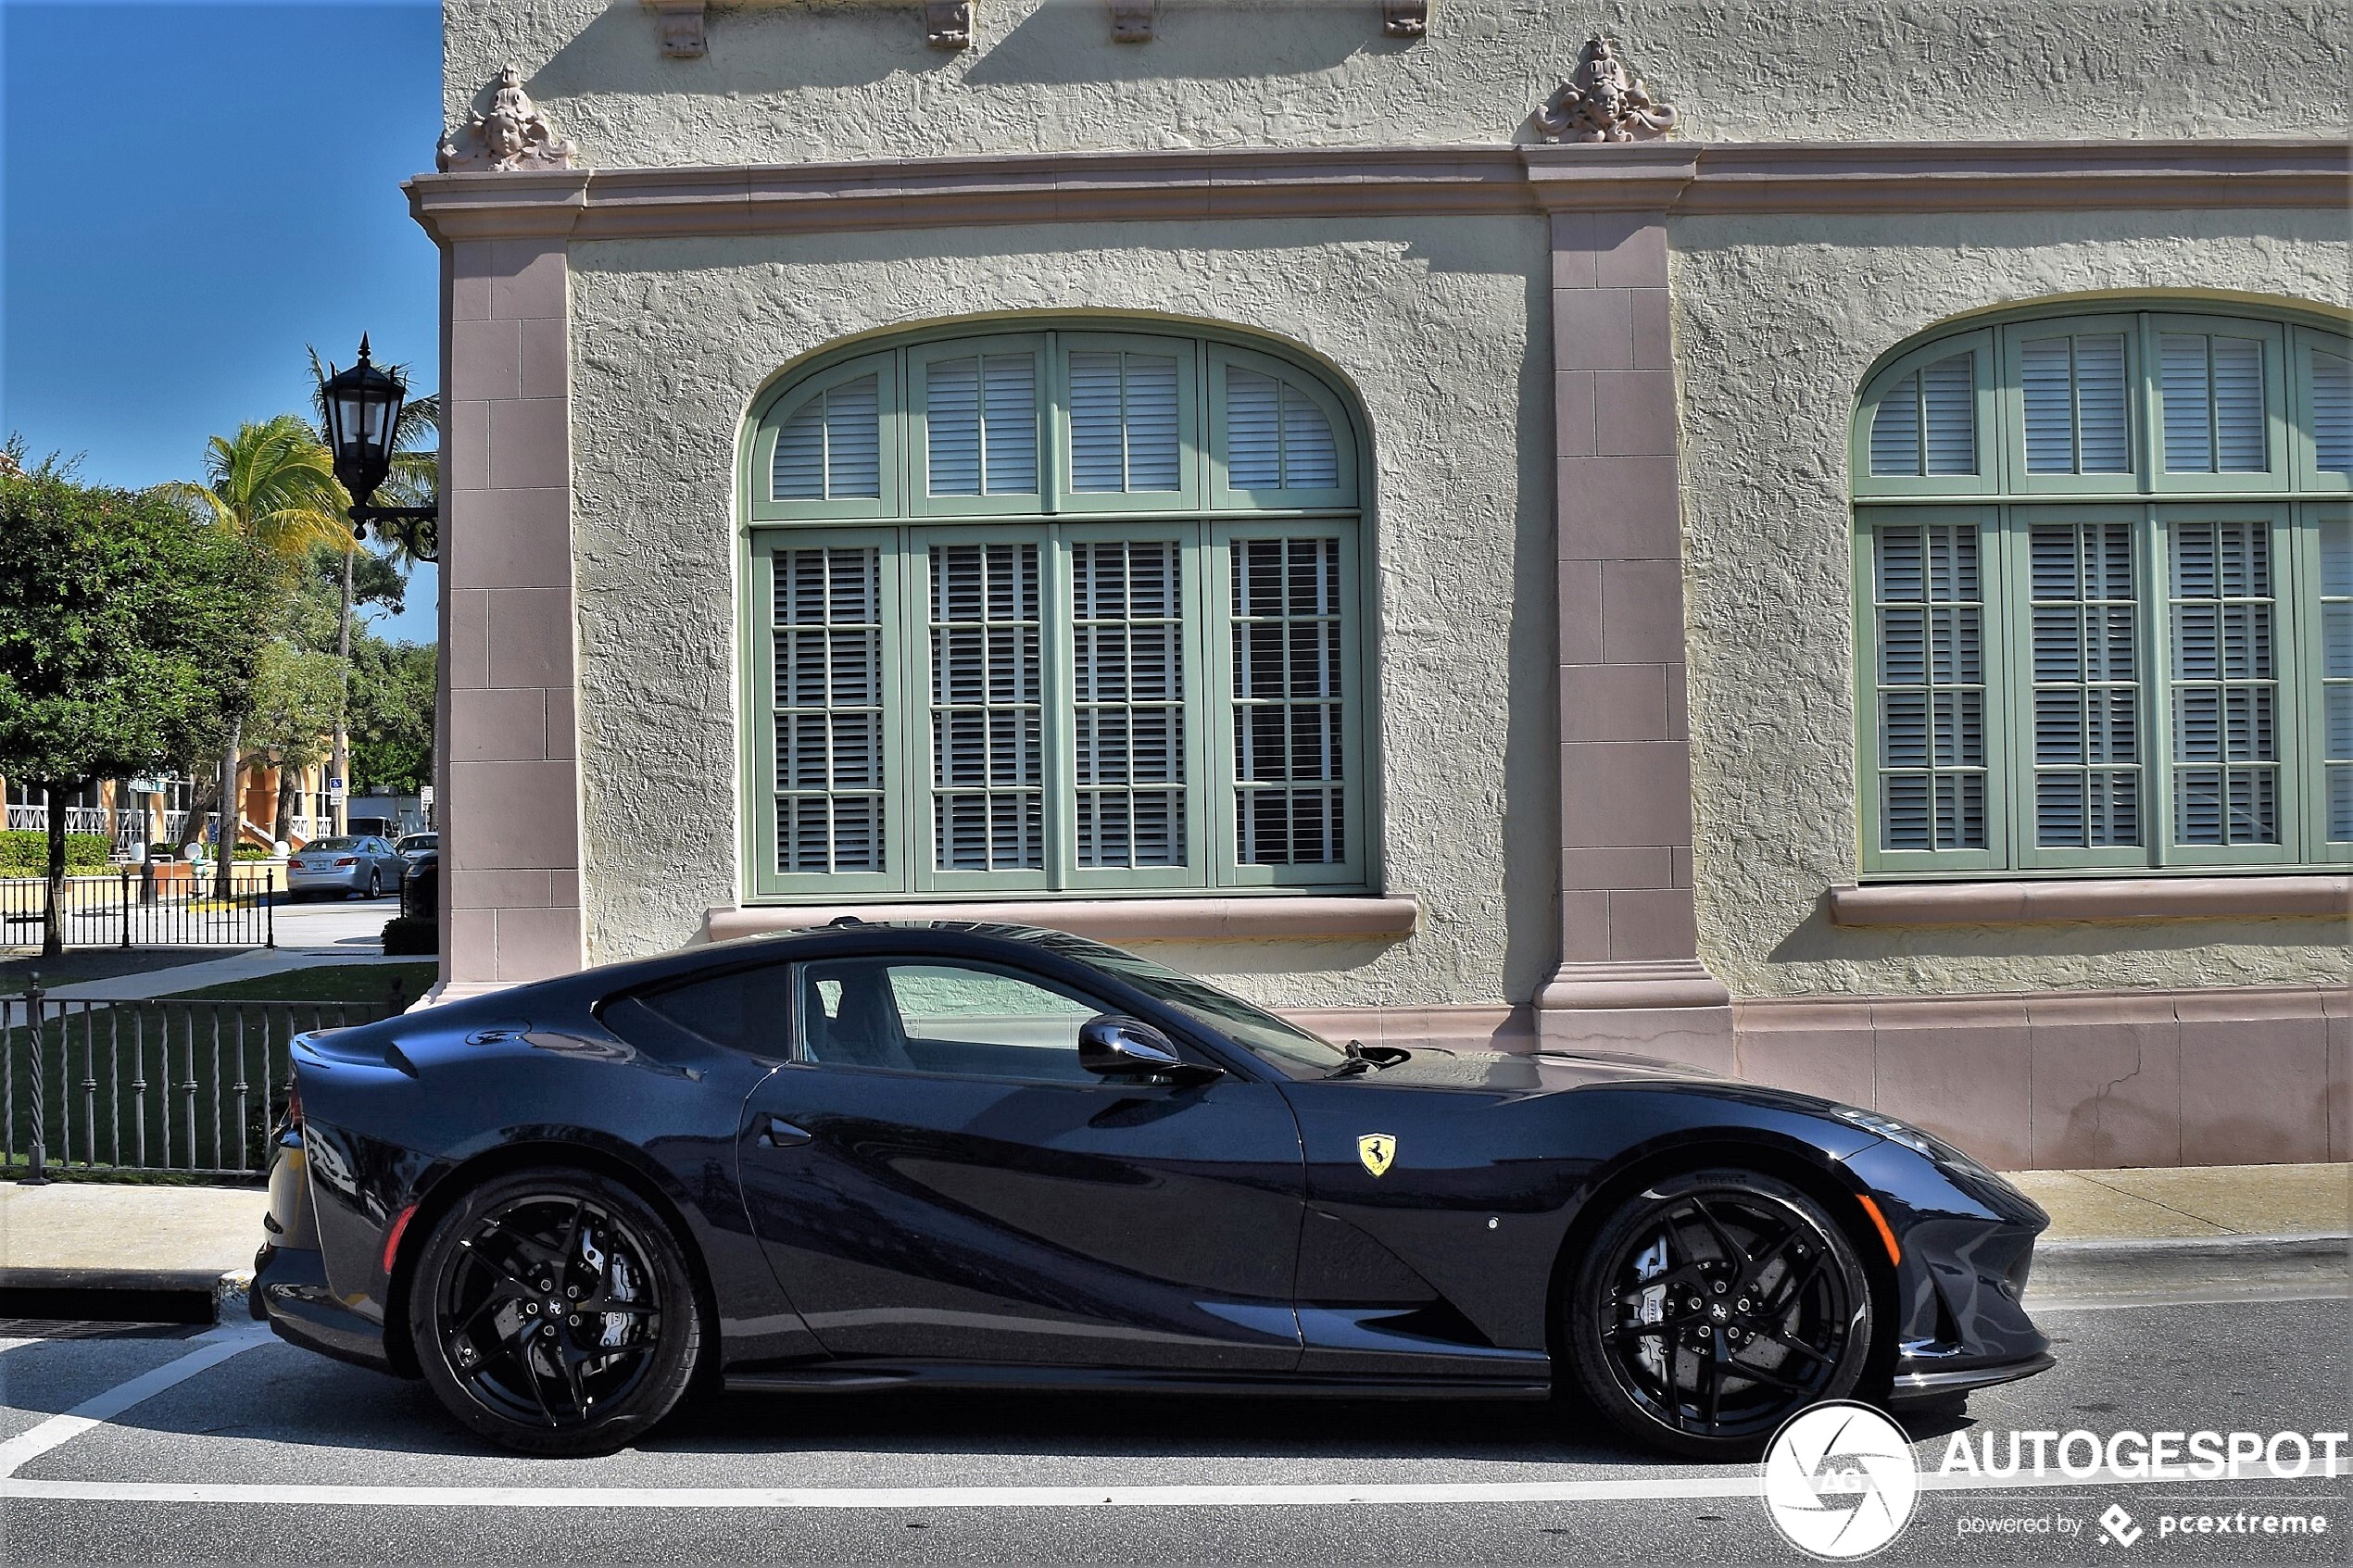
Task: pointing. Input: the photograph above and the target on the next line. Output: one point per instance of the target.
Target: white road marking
(1744, 1483)
(217, 1347)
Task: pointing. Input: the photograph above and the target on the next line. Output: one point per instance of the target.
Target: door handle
(777, 1133)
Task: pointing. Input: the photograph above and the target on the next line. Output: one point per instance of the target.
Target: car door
(936, 1178)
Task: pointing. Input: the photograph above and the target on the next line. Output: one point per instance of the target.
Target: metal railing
(145, 906)
(178, 1084)
(28, 818)
(79, 819)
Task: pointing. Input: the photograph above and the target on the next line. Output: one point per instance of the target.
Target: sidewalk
(250, 964)
(2116, 1237)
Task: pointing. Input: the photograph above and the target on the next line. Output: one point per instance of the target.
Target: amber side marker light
(1879, 1220)
(401, 1228)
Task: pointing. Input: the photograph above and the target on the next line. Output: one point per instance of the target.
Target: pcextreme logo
(1840, 1481)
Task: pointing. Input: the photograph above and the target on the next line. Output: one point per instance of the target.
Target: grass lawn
(330, 982)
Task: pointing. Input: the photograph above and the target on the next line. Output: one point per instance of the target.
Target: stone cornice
(2318, 895)
(1671, 177)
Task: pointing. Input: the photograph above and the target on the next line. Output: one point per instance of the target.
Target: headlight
(1927, 1145)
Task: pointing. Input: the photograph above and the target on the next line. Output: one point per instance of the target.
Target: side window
(949, 1020)
(747, 1009)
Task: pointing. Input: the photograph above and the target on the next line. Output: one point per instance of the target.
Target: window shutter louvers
(1895, 429)
(988, 690)
(2332, 412)
(2086, 693)
(2225, 728)
(1123, 421)
(1276, 438)
(1129, 688)
(1948, 404)
(829, 766)
(1932, 719)
(2212, 388)
(981, 425)
(1290, 803)
(831, 448)
(2336, 676)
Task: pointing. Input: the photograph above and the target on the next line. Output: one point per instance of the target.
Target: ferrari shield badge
(1376, 1150)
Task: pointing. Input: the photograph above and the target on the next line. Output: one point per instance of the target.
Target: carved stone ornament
(514, 134)
(1404, 19)
(1131, 21)
(681, 26)
(948, 24)
(1603, 102)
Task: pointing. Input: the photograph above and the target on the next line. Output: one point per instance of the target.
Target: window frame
(2290, 495)
(1197, 518)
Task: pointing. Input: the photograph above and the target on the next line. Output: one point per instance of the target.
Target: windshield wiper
(1362, 1058)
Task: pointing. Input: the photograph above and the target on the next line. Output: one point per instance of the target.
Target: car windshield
(321, 845)
(421, 841)
(1283, 1043)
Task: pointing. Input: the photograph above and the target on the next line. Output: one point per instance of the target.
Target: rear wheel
(1714, 1305)
(375, 884)
(552, 1312)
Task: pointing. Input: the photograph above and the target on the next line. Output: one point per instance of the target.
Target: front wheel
(375, 884)
(552, 1312)
(1714, 1305)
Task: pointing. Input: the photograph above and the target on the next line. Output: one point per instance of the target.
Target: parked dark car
(874, 1156)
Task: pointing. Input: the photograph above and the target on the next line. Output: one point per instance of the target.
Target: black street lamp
(363, 407)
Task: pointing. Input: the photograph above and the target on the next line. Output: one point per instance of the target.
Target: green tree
(392, 710)
(272, 484)
(296, 700)
(127, 634)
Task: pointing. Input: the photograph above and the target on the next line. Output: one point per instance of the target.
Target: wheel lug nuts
(1720, 1287)
(531, 1306)
(573, 1291)
(574, 1320)
(1703, 1331)
(1741, 1305)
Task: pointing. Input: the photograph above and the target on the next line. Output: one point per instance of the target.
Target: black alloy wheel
(552, 1312)
(1714, 1305)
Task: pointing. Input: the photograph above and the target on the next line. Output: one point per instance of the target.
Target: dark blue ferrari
(872, 1156)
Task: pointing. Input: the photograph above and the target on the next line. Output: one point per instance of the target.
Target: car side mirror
(1115, 1046)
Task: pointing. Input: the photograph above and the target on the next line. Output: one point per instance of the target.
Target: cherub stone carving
(1603, 102)
(512, 135)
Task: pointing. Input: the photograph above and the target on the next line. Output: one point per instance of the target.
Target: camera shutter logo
(1840, 1481)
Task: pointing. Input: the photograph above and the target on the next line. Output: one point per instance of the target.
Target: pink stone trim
(1271, 183)
(2327, 895)
(1657, 982)
(1388, 918)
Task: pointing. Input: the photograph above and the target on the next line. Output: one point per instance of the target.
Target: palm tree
(274, 484)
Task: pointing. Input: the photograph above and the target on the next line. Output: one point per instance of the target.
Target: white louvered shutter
(1288, 697)
(827, 613)
(831, 448)
(1930, 621)
(2088, 780)
(981, 425)
(1896, 430)
(1129, 680)
(1123, 421)
(2077, 411)
(2336, 674)
(2224, 687)
(2212, 387)
(1926, 424)
(987, 694)
(2331, 412)
(1276, 436)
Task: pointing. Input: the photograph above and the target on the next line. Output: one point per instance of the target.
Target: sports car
(879, 1155)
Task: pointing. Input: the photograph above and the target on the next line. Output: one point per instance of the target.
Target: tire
(484, 1328)
(375, 885)
(1784, 1316)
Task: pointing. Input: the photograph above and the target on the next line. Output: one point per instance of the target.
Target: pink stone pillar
(508, 771)
(1630, 975)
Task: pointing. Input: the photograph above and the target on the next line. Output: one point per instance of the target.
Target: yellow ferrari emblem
(1376, 1150)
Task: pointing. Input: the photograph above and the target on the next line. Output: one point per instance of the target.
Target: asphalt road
(869, 1473)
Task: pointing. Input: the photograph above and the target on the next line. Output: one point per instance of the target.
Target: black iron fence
(175, 1084)
(148, 905)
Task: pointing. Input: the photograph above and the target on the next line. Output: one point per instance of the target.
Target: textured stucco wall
(787, 81)
(1436, 323)
(1776, 321)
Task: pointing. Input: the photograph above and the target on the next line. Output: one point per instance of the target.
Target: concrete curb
(2125, 1267)
(191, 1296)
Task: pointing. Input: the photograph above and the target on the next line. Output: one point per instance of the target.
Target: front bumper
(1920, 1387)
(290, 1293)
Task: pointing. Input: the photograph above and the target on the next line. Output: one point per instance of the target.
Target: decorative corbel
(511, 135)
(1131, 21)
(1603, 102)
(679, 24)
(948, 24)
(1404, 19)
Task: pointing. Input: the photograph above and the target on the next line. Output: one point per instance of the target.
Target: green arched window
(2104, 594)
(1056, 611)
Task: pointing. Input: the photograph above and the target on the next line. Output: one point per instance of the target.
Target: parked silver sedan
(367, 866)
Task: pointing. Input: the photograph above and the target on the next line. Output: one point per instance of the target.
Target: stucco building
(1814, 541)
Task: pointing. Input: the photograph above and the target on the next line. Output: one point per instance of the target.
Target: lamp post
(362, 410)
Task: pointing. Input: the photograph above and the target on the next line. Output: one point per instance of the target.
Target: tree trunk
(233, 815)
(282, 831)
(341, 766)
(53, 917)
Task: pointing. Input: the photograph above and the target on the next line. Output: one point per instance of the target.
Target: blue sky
(191, 193)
